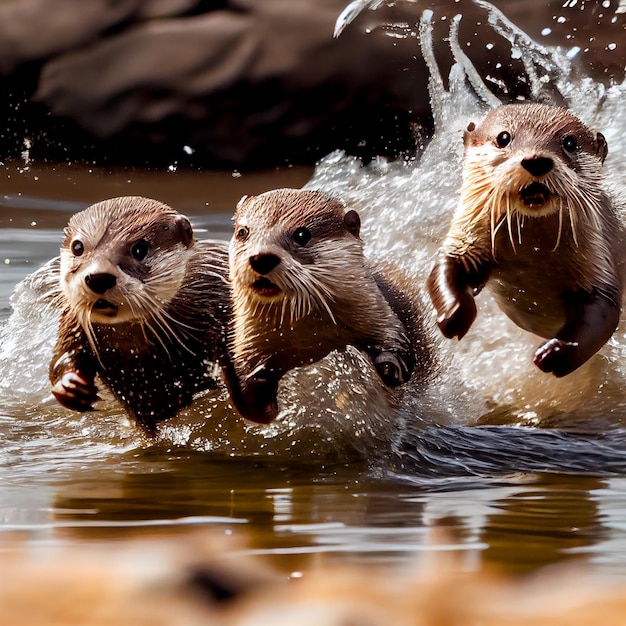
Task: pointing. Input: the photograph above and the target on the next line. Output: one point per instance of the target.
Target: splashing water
(406, 211)
(405, 207)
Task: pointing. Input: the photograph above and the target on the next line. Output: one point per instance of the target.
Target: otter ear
(243, 199)
(183, 227)
(467, 135)
(602, 147)
(352, 222)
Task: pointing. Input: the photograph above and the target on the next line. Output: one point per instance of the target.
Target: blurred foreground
(198, 581)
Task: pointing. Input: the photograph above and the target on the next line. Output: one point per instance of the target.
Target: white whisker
(508, 223)
(558, 234)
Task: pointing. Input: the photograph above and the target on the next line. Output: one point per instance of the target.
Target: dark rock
(249, 83)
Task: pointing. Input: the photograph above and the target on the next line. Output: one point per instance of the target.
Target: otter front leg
(452, 289)
(72, 369)
(393, 364)
(73, 388)
(591, 320)
(394, 369)
(254, 396)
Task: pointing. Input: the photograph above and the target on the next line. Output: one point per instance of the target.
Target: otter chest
(531, 277)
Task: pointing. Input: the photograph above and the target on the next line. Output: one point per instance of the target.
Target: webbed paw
(557, 356)
(457, 319)
(76, 393)
(393, 369)
(259, 394)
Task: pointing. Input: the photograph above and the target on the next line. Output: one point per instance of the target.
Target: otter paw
(456, 320)
(392, 369)
(260, 399)
(557, 356)
(76, 393)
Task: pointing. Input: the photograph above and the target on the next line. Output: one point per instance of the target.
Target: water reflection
(517, 524)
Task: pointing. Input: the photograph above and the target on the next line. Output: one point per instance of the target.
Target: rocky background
(251, 83)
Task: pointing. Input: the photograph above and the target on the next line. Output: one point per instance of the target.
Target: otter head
(533, 160)
(123, 259)
(294, 250)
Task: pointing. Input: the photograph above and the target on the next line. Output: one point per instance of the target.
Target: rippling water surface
(522, 469)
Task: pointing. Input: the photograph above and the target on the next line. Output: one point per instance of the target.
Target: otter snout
(538, 165)
(264, 263)
(100, 282)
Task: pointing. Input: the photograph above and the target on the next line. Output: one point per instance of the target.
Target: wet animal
(302, 288)
(537, 224)
(144, 307)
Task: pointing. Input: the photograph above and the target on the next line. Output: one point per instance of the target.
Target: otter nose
(100, 283)
(537, 166)
(264, 263)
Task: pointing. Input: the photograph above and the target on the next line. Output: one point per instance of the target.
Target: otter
(144, 307)
(535, 222)
(301, 288)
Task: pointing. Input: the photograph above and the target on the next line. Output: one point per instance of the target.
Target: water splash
(406, 210)
(334, 408)
(335, 405)
(27, 338)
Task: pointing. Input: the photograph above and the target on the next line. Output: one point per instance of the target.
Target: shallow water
(520, 469)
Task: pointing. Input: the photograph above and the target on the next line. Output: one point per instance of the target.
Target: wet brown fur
(553, 259)
(155, 351)
(329, 297)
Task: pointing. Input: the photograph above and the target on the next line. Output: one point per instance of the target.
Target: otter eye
(140, 249)
(242, 233)
(77, 247)
(569, 143)
(302, 236)
(503, 139)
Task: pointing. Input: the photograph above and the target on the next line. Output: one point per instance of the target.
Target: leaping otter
(536, 223)
(144, 306)
(302, 288)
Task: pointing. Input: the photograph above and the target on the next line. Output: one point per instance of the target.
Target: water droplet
(612, 46)
(546, 31)
(573, 52)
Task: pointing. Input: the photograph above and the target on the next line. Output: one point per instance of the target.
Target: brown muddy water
(520, 498)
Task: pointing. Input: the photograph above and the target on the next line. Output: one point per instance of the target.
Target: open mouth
(104, 307)
(535, 195)
(265, 288)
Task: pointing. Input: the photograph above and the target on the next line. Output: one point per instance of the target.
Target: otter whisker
(85, 321)
(164, 327)
(321, 300)
(169, 322)
(493, 227)
(304, 301)
(560, 229)
(501, 219)
(283, 310)
(164, 322)
(508, 222)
